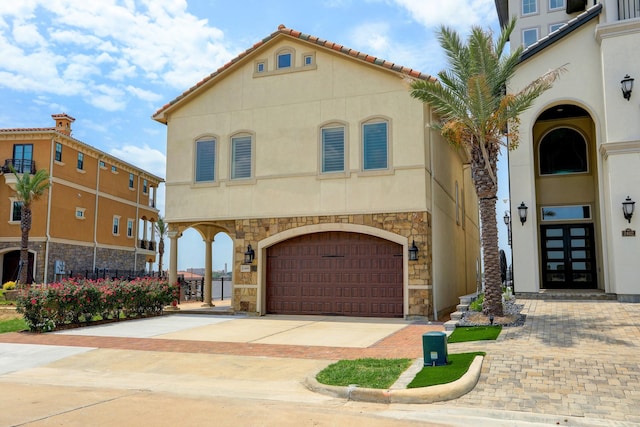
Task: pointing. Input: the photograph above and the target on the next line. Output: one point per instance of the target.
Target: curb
(436, 393)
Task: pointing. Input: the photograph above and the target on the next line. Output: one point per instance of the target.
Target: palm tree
(29, 188)
(474, 110)
(161, 229)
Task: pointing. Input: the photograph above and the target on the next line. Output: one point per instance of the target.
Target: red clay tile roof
(28, 130)
(308, 38)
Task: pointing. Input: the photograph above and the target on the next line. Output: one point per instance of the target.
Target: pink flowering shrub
(74, 301)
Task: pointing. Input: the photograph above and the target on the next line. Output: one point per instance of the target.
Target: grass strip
(13, 325)
(433, 375)
(475, 333)
(367, 373)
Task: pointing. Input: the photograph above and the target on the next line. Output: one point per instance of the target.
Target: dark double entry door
(568, 256)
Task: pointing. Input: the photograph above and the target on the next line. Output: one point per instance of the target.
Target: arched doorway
(567, 201)
(11, 267)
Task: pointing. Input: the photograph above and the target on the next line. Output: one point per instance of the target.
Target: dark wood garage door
(335, 273)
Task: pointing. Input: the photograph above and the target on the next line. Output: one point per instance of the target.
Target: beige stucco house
(324, 172)
(578, 161)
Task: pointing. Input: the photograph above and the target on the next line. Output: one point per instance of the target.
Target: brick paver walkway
(570, 358)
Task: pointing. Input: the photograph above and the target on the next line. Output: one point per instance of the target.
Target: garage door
(335, 273)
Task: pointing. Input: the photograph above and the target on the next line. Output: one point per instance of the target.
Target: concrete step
(450, 325)
(456, 315)
(462, 307)
(568, 295)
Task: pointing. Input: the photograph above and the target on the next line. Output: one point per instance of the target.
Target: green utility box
(434, 347)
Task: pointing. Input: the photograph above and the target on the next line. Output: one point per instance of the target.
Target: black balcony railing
(628, 9)
(19, 165)
(149, 245)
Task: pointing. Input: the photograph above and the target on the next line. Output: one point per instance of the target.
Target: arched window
(563, 151)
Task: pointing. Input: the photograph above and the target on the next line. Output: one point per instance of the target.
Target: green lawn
(13, 325)
(367, 373)
(475, 333)
(432, 375)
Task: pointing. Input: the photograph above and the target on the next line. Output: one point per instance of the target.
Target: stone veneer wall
(413, 225)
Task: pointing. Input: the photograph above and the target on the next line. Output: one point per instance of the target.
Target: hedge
(78, 301)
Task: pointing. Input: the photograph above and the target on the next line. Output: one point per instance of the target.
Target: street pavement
(573, 363)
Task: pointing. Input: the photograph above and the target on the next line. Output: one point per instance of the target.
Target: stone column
(173, 261)
(208, 244)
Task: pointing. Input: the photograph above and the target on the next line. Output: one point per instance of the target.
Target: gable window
(80, 161)
(563, 151)
(58, 152)
(529, 36)
(332, 149)
(261, 67)
(241, 147)
(284, 59)
(129, 228)
(529, 7)
(145, 186)
(556, 4)
(308, 60)
(131, 180)
(375, 149)
(116, 225)
(80, 213)
(16, 211)
(205, 160)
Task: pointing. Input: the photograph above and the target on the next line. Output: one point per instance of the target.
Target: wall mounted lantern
(507, 222)
(249, 255)
(522, 212)
(626, 85)
(627, 208)
(413, 252)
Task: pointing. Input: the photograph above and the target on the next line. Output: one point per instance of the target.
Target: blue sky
(112, 63)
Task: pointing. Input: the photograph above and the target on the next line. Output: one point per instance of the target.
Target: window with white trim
(529, 7)
(129, 228)
(145, 186)
(80, 213)
(16, 210)
(529, 36)
(556, 4)
(375, 145)
(80, 165)
(261, 67)
(241, 156)
(102, 164)
(332, 148)
(131, 180)
(554, 27)
(116, 225)
(205, 160)
(58, 152)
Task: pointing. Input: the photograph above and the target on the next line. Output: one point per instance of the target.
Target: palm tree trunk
(491, 257)
(160, 254)
(25, 227)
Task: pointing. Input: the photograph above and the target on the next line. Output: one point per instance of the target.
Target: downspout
(433, 189)
(95, 217)
(135, 227)
(48, 238)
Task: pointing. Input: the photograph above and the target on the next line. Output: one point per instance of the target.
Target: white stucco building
(579, 155)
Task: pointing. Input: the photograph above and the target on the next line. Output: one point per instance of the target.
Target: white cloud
(459, 14)
(114, 41)
(374, 36)
(145, 95)
(145, 157)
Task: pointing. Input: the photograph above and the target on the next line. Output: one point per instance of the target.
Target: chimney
(63, 123)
